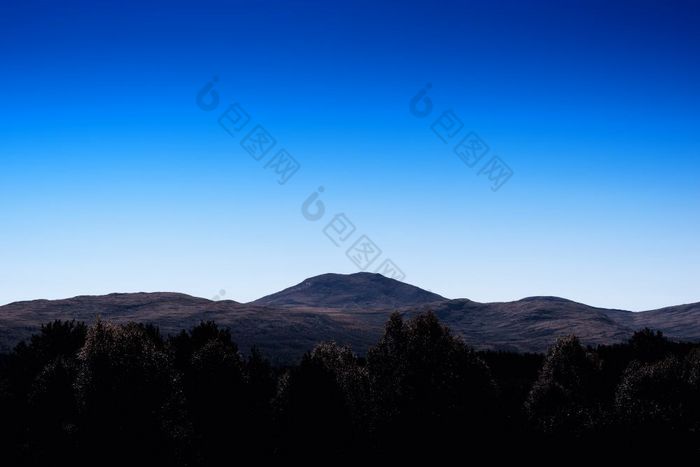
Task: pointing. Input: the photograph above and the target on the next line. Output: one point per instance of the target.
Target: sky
(136, 155)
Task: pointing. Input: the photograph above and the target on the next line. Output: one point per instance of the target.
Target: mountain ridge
(353, 290)
(352, 309)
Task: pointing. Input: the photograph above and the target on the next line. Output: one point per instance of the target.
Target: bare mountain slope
(363, 291)
(352, 309)
(530, 324)
(281, 333)
(680, 321)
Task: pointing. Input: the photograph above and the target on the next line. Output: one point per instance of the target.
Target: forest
(108, 394)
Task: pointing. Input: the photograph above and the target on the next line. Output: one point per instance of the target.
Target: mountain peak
(344, 291)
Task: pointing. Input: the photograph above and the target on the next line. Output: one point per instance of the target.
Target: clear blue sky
(113, 179)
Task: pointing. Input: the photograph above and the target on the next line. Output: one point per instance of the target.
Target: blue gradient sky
(112, 179)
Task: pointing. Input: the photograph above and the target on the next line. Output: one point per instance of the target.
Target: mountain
(360, 291)
(283, 334)
(681, 321)
(530, 324)
(352, 309)
(533, 323)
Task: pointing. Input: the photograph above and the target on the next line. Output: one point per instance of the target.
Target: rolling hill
(352, 309)
(362, 291)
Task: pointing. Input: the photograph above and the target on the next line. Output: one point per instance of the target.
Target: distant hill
(353, 309)
(361, 291)
(680, 321)
(530, 324)
(283, 334)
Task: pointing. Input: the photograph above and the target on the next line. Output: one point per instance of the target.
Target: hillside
(352, 309)
(362, 291)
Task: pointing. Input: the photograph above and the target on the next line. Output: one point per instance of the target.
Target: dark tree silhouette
(52, 413)
(564, 399)
(217, 398)
(128, 396)
(316, 402)
(429, 387)
(257, 416)
(41, 428)
(658, 402)
(648, 346)
(118, 394)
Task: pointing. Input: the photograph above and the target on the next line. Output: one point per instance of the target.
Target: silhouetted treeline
(117, 394)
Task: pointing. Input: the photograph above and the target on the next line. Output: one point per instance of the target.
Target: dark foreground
(123, 394)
